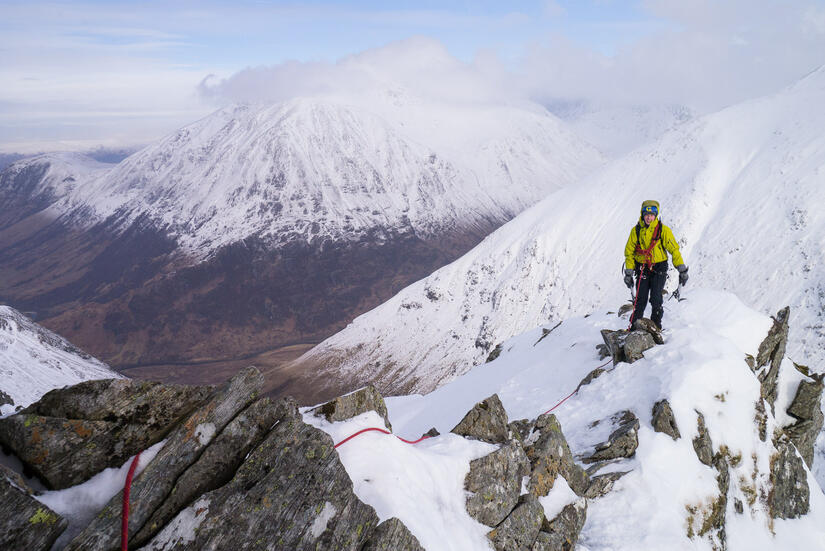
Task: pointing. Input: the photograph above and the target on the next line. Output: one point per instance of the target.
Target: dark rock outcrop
(25, 523)
(392, 535)
(590, 377)
(5, 399)
(521, 429)
(702, 443)
(494, 483)
(519, 530)
(601, 484)
(550, 457)
(789, 496)
(648, 325)
(635, 344)
(664, 421)
(562, 533)
(806, 408)
(184, 446)
(487, 421)
(621, 443)
(355, 403)
(770, 355)
(73, 433)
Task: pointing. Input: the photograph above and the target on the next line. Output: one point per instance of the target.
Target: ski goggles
(650, 209)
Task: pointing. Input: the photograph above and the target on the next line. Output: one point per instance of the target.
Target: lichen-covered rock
(15, 479)
(25, 523)
(355, 403)
(621, 443)
(292, 492)
(614, 341)
(550, 456)
(789, 496)
(487, 421)
(701, 443)
(601, 484)
(519, 530)
(184, 446)
(74, 433)
(494, 483)
(521, 429)
(562, 533)
(664, 421)
(219, 461)
(635, 345)
(650, 327)
(806, 408)
(392, 535)
(771, 352)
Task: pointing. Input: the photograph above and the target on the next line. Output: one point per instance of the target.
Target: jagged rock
(771, 351)
(487, 421)
(74, 433)
(651, 328)
(738, 506)
(603, 350)
(590, 377)
(494, 353)
(713, 523)
(614, 341)
(15, 479)
(789, 496)
(622, 442)
(25, 523)
(550, 456)
(701, 443)
(292, 492)
(761, 419)
(635, 344)
(562, 533)
(5, 399)
(184, 446)
(355, 403)
(806, 407)
(520, 429)
(519, 530)
(664, 421)
(601, 484)
(219, 461)
(494, 483)
(392, 535)
(432, 433)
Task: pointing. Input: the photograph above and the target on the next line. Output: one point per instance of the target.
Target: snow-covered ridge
(33, 360)
(337, 167)
(740, 189)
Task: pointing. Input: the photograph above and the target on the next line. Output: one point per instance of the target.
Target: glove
(683, 274)
(628, 277)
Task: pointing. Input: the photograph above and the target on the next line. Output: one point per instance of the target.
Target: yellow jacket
(666, 242)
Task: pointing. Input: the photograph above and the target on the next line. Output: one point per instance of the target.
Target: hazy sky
(81, 74)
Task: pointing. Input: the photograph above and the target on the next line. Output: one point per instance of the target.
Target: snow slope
(34, 360)
(741, 189)
(701, 368)
(337, 166)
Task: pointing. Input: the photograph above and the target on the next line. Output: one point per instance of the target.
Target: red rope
(124, 527)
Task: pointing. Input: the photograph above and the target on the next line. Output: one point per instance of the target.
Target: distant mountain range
(263, 226)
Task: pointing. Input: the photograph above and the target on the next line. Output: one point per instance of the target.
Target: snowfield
(701, 368)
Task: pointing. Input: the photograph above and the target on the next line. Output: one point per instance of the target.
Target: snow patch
(205, 433)
(181, 530)
(320, 524)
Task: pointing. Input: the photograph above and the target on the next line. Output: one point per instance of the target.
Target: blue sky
(82, 73)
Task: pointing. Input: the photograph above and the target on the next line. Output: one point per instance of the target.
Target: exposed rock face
(25, 523)
(789, 496)
(701, 443)
(184, 446)
(806, 408)
(487, 421)
(5, 399)
(355, 403)
(519, 530)
(647, 325)
(664, 421)
(73, 433)
(292, 487)
(392, 535)
(495, 483)
(562, 533)
(621, 443)
(593, 375)
(770, 355)
(627, 346)
(550, 457)
(601, 484)
(521, 429)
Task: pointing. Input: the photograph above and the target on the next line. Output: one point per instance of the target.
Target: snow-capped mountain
(741, 190)
(262, 226)
(33, 360)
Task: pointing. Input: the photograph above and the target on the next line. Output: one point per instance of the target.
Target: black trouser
(652, 284)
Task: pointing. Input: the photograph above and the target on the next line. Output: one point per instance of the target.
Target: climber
(645, 257)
